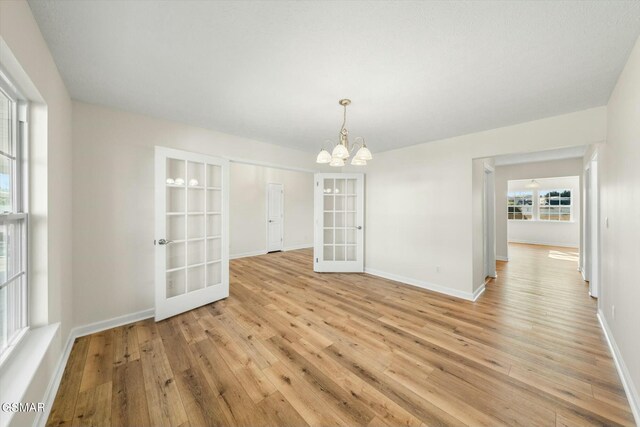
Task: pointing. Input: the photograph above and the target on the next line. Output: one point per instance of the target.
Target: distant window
(520, 205)
(555, 205)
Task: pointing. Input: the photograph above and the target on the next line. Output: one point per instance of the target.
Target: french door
(192, 231)
(339, 222)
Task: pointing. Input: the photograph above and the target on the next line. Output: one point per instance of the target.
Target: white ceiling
(545, 183)
(541, 156)
(274, 70)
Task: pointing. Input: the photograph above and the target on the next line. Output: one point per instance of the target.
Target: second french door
(339, 222)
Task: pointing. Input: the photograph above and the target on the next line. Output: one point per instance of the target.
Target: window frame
(513, 195)
(536, 205)
(560, 191)
(16, 285)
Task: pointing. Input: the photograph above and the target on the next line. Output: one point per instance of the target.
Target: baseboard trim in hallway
(623, 372)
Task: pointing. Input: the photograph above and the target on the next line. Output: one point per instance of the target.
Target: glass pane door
(193, 235)
(339, 222)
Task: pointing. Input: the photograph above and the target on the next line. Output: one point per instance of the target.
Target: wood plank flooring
(291, 348)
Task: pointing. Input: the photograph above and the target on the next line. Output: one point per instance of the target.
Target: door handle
(270, 220)
(164, 242)
(359, 227)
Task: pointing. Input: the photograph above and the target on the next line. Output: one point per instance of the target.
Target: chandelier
(342, 151)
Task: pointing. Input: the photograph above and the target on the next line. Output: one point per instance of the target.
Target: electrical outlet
(613, 312)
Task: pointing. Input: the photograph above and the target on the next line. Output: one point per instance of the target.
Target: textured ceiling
(274, 71)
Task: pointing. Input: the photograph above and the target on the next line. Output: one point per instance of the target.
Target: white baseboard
(544, 243)
(623, 372)
(77, 332)
(92, 328)
(469, 296)
(478, 292)
(297, 247)
(248, 254)
(264, 251)
(52, 388)
(502, 258)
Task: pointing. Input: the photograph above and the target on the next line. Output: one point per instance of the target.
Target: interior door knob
(359, 227)
(164, 242)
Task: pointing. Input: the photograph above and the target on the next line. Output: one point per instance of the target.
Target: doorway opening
(547, 201)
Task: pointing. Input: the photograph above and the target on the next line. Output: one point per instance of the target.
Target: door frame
(267, 217)
(489, 221)
(586, 225)
(591, 267)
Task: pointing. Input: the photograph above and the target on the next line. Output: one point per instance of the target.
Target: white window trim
(535, 214)
(20, 203)
(532, 205)
(570, 205)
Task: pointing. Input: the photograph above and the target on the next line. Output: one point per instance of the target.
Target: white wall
(418, 199)
(547, 169)
(248, 204)
(24, 54)
(113, 167)
(554, 233)
(619, 175)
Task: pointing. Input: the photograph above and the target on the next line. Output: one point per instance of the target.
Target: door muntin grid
(194, 207)
(340, 211)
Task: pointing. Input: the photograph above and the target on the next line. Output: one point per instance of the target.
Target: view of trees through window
(552, 205)
(520, 205)
(555, 205)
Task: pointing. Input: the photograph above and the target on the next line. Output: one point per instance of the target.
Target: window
(520, 205)
(13, 219)
(555, 205)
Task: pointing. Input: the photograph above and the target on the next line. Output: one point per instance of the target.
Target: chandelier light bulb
(364, 154)
(323, 157)
(358, 162)
(340, 151)
(337, 162)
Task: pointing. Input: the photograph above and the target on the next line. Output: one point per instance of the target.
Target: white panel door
(192, 230)
(275, 217)
(339, 222)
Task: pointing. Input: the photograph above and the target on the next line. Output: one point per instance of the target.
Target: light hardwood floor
(290, 347)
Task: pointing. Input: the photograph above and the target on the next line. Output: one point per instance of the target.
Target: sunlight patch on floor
(564, 255)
